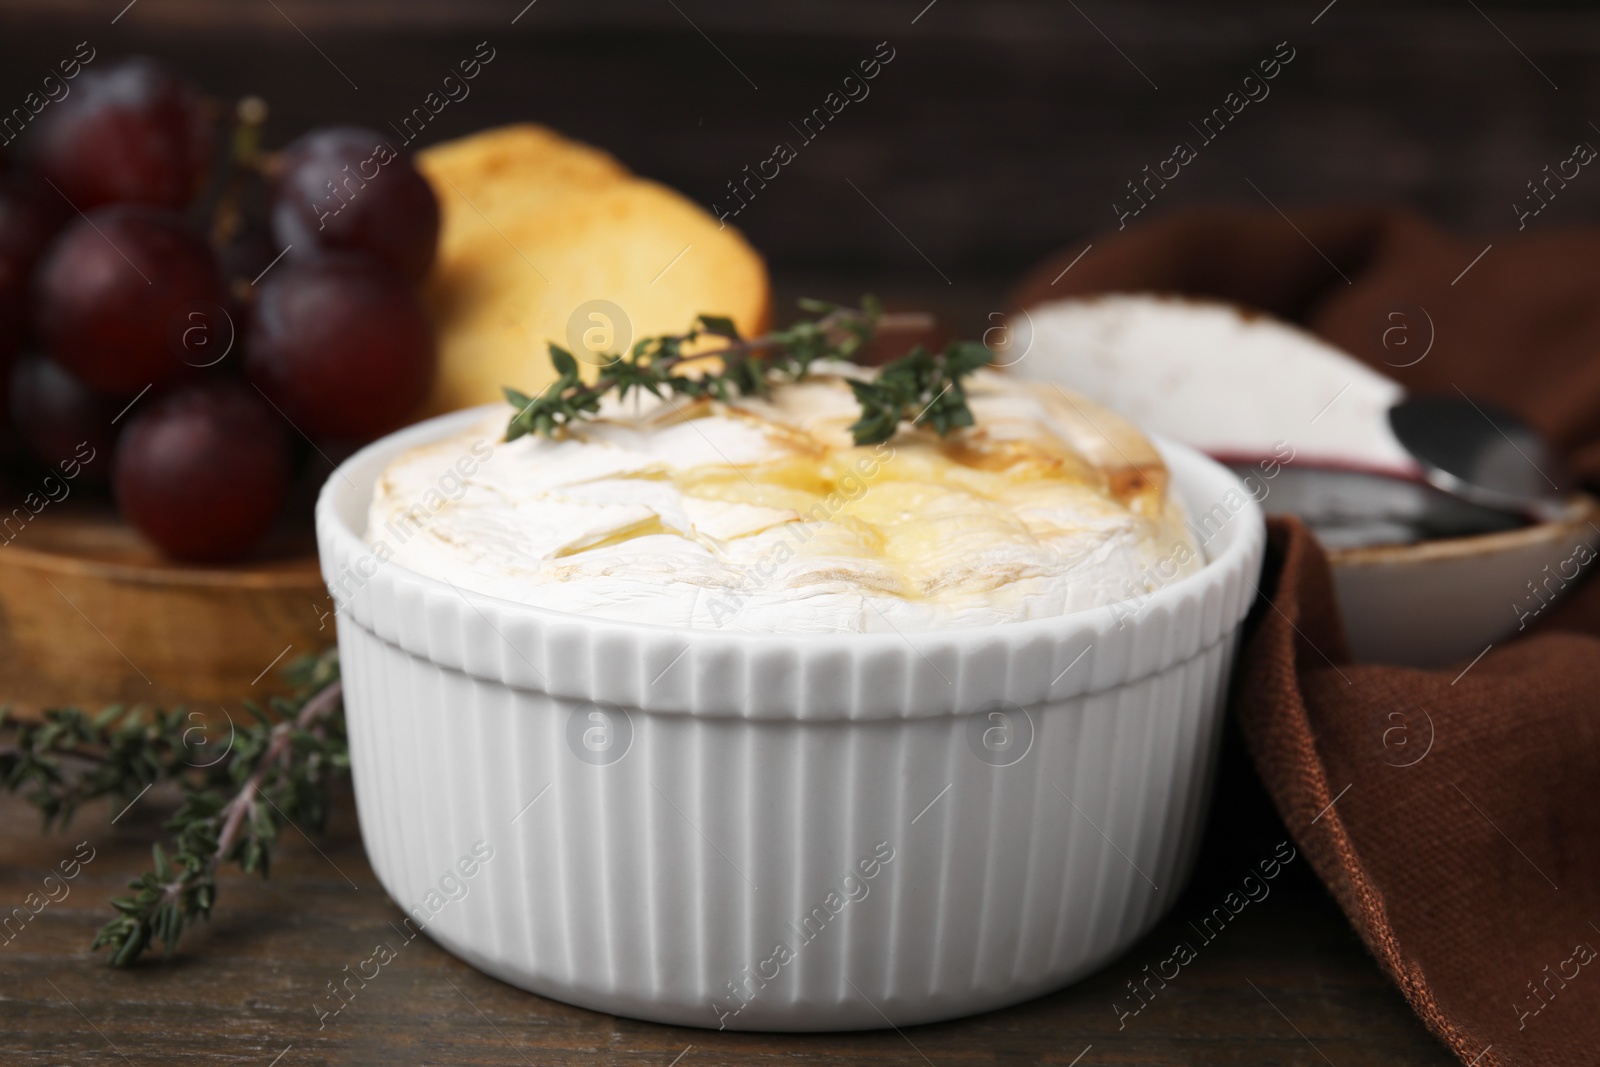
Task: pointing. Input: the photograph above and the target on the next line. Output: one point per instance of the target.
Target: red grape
(341, 345)
(29, 214)
(345, 189)
(62, 421)
(118, 297)
(203, 470)
(136, 132)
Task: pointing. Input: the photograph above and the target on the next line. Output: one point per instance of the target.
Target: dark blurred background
(1001, 131)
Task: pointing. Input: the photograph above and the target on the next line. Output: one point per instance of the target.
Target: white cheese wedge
(1236, 384)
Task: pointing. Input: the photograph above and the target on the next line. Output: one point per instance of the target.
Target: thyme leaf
(920, 387)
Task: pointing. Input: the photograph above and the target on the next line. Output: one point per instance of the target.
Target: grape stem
(244, 163)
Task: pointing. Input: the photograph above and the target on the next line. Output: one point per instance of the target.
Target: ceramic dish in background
(1270, 398)
(1424, 578)
(634, 819)
(1441, 601)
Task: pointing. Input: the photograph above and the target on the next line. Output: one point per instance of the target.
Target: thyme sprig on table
(920, 387)
(275, 770)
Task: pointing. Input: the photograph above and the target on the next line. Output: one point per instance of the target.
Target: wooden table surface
(1286, 982)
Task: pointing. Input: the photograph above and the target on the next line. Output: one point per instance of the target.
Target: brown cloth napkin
(1473, 873)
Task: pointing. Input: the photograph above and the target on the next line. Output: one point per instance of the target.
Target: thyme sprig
(278, 769)
(920, 387)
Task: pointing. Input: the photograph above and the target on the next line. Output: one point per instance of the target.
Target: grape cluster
(118, 313)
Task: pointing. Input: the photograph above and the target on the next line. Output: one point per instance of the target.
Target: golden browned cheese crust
(764, 515)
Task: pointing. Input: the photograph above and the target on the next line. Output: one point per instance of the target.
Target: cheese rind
(762, 515)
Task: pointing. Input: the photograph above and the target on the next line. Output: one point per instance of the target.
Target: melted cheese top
(763, 515)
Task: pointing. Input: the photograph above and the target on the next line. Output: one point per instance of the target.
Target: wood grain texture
(92, 615)
(1286, 982)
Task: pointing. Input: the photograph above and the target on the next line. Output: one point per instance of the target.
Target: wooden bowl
(91, 615)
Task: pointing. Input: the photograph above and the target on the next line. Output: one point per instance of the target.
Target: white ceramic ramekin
(763, 831)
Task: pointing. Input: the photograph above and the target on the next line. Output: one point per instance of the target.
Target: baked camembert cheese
(763, 515)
